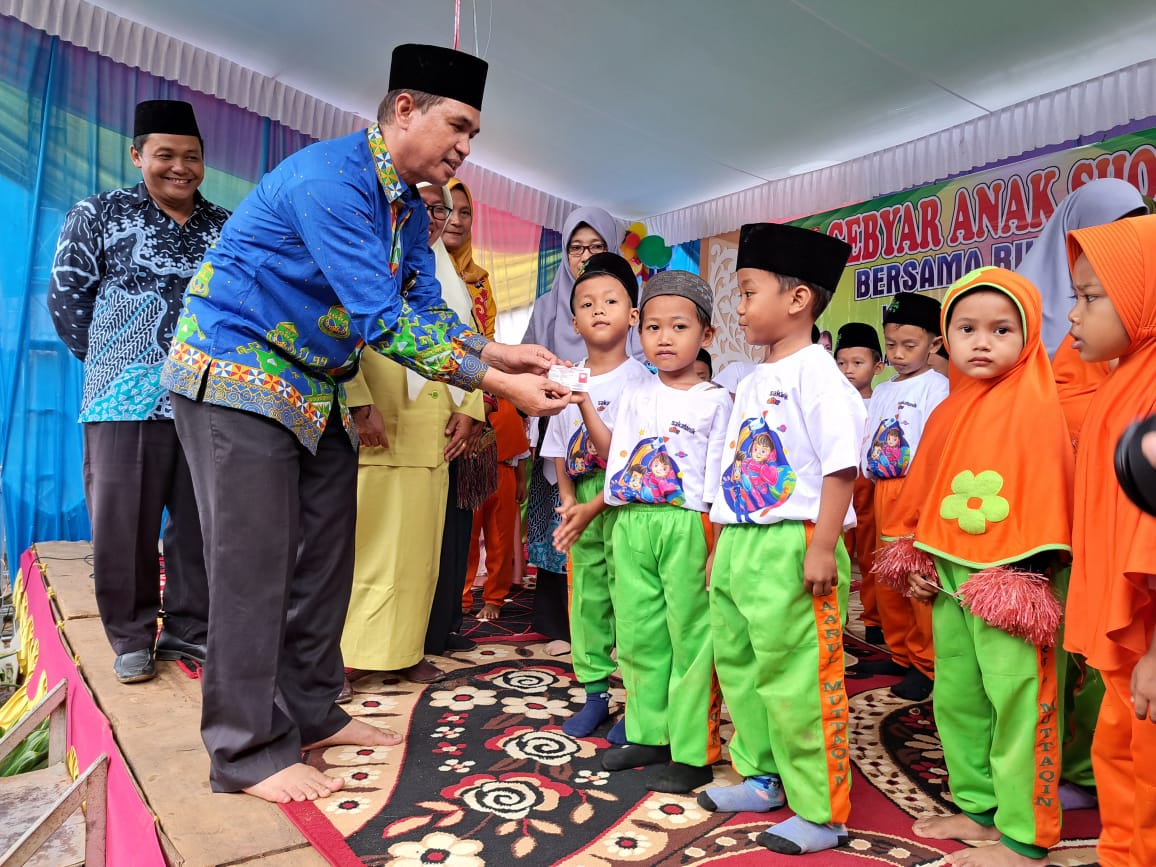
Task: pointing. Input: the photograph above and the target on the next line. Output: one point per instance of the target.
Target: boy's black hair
(705, 358)
(820, 295)
(609, 265)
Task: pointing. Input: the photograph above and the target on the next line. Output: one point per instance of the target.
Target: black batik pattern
(117, 283)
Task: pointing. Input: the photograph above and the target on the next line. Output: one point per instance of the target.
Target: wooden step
(24, 799)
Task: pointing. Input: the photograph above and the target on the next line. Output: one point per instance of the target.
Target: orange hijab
(1110, 610)
(474, 275)
(991, 483)
(1076, 382)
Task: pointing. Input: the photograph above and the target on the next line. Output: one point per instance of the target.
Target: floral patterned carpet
(486, 776)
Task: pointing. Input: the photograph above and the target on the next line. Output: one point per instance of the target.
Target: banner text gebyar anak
(926, 239)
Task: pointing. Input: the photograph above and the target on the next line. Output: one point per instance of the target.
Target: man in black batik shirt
(122, 263)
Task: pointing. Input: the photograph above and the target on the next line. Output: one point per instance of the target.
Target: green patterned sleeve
(432, 342)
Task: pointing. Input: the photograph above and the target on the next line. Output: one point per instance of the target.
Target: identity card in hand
(574, 378)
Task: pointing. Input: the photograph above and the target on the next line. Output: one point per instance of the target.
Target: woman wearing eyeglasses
(404, 459)
(586, 232)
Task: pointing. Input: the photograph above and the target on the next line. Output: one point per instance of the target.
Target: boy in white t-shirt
(780, 573)
(603, 304)
(666, 444)
(896, 415)
(859, 356)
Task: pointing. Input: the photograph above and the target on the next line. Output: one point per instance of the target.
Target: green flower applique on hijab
(974, 501)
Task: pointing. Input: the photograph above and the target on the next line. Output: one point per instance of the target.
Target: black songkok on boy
(813, 257)
(164, 117)
(439, 71)
(612, 265)
(911, 308)
(858, 334)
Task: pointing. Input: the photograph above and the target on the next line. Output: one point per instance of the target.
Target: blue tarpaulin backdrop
(65, 127)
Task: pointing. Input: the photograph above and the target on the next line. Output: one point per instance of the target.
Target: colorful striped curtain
(65, 129)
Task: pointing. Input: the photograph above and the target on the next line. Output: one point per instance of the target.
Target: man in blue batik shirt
(326, 258)
(122, 263)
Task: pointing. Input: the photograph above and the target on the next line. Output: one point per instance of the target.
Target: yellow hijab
(474, 275)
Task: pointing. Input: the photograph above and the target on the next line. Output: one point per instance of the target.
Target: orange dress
(1111, 613)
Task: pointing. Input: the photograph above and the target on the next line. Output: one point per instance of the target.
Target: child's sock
(797, 836)
(595, 712)
(874, 634)
(635, 756)
(680, 779)
(759, 794)
(617, 733)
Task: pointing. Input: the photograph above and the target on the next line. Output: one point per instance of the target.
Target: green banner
(925, 239)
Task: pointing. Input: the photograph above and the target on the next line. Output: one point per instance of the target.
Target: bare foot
(954, 827)
(998, 855)
(557, 647)
(298, 782)
(489, 612)
(357, 734)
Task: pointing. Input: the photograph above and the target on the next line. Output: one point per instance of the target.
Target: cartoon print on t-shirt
(650, 476)
(581, 456)
(890, 452)
(759, 478)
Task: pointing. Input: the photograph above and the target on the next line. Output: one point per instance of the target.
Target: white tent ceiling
(646, 106)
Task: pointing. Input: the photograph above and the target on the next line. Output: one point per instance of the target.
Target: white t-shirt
(566, 436)
(896, 416)
(667, 443)
(734, 373)
(794, 422)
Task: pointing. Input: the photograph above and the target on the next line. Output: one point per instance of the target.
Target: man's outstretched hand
(521, 358)
(531, 393)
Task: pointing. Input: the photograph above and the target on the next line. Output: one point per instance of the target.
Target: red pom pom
(1020, 603)
(896, 560)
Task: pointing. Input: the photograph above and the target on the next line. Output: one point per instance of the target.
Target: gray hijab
(552, 322)
(1101, 201)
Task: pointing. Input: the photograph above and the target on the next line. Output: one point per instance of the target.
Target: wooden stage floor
(156, 727)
